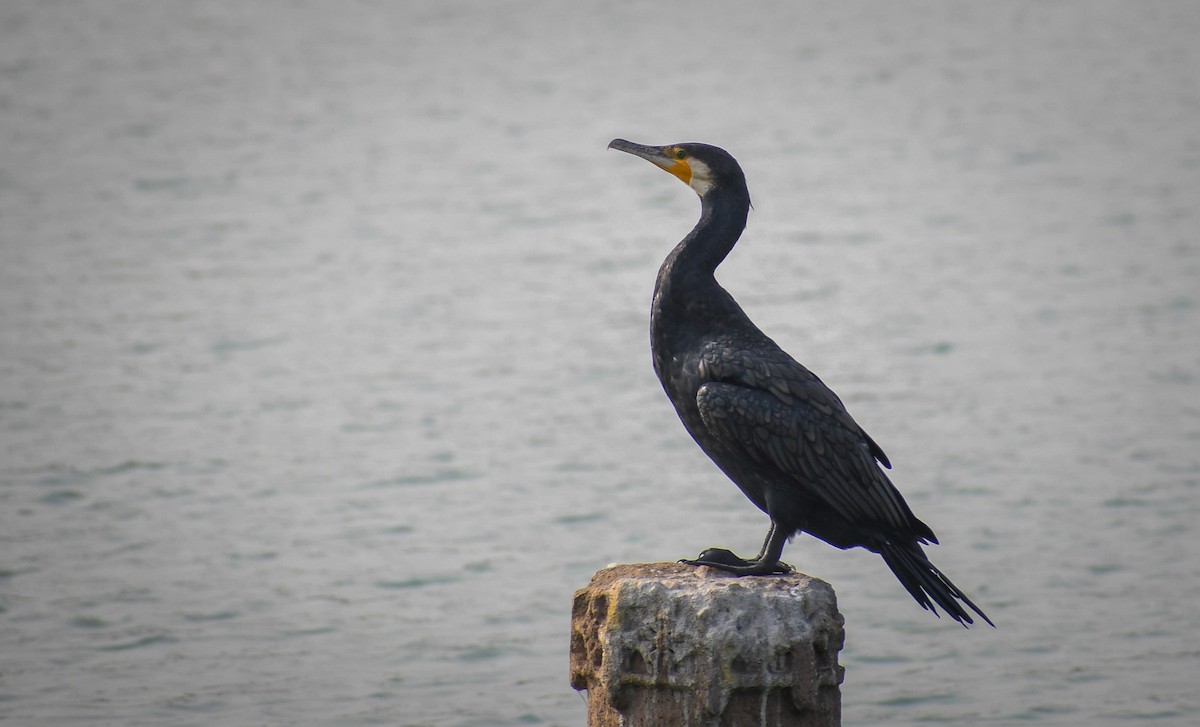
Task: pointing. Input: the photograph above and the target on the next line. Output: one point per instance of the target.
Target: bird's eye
(680, 154)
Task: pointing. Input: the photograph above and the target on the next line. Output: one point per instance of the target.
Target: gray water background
(324, 373)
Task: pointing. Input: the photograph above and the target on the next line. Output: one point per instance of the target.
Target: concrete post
(672, 645)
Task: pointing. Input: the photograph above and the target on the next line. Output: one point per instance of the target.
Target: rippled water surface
(324, 373)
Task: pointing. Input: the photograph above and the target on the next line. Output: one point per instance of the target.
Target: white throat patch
(702, 180)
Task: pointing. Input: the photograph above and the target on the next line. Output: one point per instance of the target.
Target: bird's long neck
(691, 265)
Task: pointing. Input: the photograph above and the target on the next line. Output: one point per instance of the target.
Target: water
(323, 357)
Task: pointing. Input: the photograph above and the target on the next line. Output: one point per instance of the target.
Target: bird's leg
(765, 563)
(766, 541)
(782, 567)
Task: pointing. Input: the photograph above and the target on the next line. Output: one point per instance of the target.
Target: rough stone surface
(667, 644)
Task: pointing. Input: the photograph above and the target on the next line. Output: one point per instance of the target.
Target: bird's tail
(927, 584)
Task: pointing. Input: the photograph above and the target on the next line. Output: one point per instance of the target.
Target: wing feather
(778, 413)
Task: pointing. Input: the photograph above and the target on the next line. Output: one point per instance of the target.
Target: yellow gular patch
(683, 170)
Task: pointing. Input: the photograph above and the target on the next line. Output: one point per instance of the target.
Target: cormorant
(769, 423)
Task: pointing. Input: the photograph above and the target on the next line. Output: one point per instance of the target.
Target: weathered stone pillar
(666, 645)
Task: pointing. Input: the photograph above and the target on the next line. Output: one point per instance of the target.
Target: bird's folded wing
(808, 445)
(770, 369)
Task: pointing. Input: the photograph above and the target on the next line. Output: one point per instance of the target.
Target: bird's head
(702, 167)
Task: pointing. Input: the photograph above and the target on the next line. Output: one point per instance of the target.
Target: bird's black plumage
(767, 421)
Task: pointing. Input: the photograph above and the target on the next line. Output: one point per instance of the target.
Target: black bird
(768, 422)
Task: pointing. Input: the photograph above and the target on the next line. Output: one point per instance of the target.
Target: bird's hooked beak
(671, 158)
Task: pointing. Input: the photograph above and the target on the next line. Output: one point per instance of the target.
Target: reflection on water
(325, 372)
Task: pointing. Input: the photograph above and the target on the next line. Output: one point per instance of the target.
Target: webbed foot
(726, 560)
